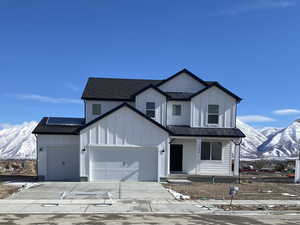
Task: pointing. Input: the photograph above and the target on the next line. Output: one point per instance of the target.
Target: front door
(176, 158)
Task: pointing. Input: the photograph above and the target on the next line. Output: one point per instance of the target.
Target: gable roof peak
(184, 70)
(125, 104)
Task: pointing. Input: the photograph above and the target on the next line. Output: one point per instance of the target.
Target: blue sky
(48, 49)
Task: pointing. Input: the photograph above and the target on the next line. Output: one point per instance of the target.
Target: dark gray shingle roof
(65, 128)
(114, 89)
(205, 132)
(125, 89)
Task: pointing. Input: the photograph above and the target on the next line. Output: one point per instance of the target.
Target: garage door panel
(124, 165)
(62, 164)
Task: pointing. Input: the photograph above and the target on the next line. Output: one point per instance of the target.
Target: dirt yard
(6, 190)
(259, 207)
(249, 189)
(17, 167)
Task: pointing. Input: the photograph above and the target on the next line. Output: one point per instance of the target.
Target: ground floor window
(211, 151)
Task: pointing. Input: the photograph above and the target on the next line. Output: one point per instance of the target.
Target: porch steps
(179, 178)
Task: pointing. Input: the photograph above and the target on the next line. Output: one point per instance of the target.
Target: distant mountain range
(17, 142)
(274, 143)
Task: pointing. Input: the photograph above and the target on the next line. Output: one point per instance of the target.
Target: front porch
(203, 156)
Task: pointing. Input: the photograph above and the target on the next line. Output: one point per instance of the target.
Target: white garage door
(123, 164)
(62, 163)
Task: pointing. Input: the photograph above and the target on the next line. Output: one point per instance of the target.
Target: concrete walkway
(128, 197)
(119, 190)
(96, 206)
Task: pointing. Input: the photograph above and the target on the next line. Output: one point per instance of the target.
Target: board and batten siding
(105, 107)
(151, 95)
(214, 95)
(182, 83)
(184, 118)
(45, 141)
(123, 127)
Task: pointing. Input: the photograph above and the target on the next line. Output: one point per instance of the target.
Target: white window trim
(210, 149)
(218, 114)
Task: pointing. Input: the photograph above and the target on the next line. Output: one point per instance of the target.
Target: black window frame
(210, 154)
(99, 109)
(213, 116)
(150, 109)
(179, 106)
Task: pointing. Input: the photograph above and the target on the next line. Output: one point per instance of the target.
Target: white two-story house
(143, 130)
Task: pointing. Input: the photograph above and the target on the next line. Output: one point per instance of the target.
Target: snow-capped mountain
(283, 143)
(252, 141)
(270, 131)
(17, 142)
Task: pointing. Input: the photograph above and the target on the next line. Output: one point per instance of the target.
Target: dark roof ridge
(121, 78)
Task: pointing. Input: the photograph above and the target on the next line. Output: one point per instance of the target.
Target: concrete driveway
(119, 190)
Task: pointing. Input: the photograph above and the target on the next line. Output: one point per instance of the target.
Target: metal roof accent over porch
(206, 132)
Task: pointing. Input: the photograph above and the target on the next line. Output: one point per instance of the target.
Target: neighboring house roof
(119, 107)
(206, 132)
(59, 125)
(114, 89)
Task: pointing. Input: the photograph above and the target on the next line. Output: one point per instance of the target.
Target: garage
(62, 163)
(123, 164)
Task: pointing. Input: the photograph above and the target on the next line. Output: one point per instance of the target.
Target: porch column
(198, 155)
(236, 171)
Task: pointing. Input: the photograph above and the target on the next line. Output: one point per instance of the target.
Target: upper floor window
(96, 109)
(213, 114)
(176, 110)
(211, 151)
(150, 109)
